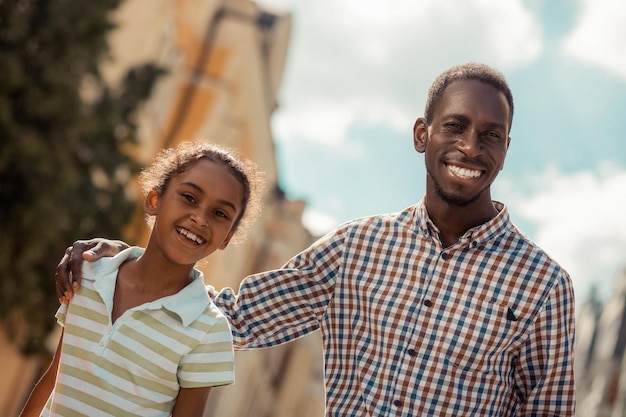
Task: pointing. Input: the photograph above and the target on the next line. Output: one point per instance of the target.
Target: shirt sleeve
(545, 371)
(61, 314)
(211, 362)
(278, 306)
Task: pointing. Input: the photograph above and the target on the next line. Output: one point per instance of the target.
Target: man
(441, 309)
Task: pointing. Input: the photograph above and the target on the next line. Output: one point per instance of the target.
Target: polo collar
(188, 304)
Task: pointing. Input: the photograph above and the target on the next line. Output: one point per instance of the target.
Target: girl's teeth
(190, 236)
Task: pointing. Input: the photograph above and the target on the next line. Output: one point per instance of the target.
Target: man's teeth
(190, 236)
(464, 172)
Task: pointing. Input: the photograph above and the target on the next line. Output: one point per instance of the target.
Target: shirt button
(397, 403)
(428, 303)
(411, 352)
(445, 256)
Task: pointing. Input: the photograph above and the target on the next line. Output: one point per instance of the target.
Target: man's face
(466, 142)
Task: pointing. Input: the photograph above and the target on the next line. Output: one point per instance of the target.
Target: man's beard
(453, 200)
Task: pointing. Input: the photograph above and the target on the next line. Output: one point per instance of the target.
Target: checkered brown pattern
(481, 328)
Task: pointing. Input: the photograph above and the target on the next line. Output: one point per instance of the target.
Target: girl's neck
(144, 280)
(154, 271)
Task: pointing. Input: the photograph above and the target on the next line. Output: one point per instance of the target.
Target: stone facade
(600, 349)
(225, 62)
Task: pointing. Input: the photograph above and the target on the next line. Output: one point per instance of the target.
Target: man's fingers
(69, 271)
(63, 278)
(76, 262)
(97, 251)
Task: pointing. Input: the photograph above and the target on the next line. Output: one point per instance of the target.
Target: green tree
(63, 172)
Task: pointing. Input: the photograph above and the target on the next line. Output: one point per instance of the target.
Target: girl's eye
(220, 213)
(189, 198)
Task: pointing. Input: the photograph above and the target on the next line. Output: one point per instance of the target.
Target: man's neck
(453, 221)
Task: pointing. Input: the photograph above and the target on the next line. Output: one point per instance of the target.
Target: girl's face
(195, 215)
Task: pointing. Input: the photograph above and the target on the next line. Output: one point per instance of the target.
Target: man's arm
(41, 392)
(69, 270)
(278, 306)
(545, 371)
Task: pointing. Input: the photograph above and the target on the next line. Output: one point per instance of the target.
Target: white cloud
(377, 31)
(365, 61)
(580, 223)
(318, 223)
(370, 62)
(323, 122)
(600, 36)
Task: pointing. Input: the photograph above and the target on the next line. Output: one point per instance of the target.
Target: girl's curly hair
(170, 162)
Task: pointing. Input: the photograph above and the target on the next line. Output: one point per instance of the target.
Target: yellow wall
(224, 73)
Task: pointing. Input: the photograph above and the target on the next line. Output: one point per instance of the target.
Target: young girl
(141, 337)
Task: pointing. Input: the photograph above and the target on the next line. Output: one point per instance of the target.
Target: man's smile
(464, 173)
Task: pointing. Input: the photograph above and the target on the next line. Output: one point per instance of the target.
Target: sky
(356, 78)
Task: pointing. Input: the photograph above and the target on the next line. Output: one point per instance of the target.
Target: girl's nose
(198, 217)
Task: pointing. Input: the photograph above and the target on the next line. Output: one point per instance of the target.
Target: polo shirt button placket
(105, 338)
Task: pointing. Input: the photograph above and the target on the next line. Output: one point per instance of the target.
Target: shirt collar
(191, 301)
(188, 304)
(474, 236)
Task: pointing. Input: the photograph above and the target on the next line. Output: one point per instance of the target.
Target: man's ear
(420, 135)
(151, 203)
(508, 143)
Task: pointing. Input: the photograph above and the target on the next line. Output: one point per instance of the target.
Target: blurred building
(600, 349)
(225, 62)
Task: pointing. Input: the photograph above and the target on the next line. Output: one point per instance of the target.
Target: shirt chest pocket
(480, 336)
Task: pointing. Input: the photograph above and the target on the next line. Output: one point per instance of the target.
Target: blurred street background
(323, 96)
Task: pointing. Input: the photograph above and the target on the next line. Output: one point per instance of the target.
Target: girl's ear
(226, 241)
(151, 203)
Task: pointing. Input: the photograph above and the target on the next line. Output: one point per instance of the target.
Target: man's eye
(494, 135)
(454, 126)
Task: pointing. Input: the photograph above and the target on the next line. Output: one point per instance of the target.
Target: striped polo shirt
(136, 366)
(483, 327)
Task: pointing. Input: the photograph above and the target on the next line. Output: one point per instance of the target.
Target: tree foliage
(63, 174)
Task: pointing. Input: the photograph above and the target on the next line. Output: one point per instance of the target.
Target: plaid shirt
(484, 327)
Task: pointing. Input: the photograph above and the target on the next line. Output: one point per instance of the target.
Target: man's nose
(470, 144)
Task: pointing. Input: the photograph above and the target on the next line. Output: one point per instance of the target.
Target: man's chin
(457, 200)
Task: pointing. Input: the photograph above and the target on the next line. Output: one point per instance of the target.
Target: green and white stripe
(137, 365)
